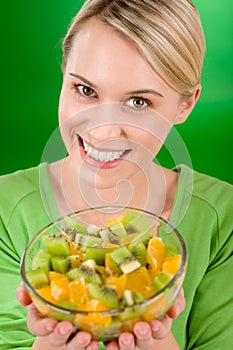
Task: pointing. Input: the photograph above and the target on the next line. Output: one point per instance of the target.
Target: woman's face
(111, 105)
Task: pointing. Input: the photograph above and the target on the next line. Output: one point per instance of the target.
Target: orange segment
(155, 255)
(59, 287)
(114, 221)
(138, 280)
(119, 282)
(93, 321)
(78, 293)
(110, 268)
(171, 264)
(45, 292)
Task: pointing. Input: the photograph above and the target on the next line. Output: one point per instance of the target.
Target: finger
(143, 333)
(22, 295)
(82, 340)
(161, 328)
(126, 341)
(113, 345)
(178, 306)
(37, 324)
(61, 334)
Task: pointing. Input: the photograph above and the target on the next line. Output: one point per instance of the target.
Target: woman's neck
(154, 190)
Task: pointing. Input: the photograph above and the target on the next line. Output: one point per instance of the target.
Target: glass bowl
(103, 269)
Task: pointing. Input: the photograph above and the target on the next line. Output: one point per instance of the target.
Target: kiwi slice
(143, 237)
(93, 230)
(129, 300)
(41, 260)
(87, 241)
(123, 259)
(75, 260)
(138, 250)
(72, 225)
(136, 222)
(60, 264)
(38, 278)
(161, 280)
(117, 232)
(56, 244)
(112, 330)
(107, 295)
(88, 271)
(98, 254)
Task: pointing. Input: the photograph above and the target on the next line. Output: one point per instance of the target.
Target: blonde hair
(167, 32)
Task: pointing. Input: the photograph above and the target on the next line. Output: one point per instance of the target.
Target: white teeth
(101, 155)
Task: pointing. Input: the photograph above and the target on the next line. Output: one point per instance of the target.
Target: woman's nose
(105, 133)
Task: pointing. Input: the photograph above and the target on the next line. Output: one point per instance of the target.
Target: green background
(31, 33)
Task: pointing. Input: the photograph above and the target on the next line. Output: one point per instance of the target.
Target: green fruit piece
(123, 259)
(107, 295)
(93, 230)
(170, 250)
(111, 331)
(41, 260)
(74, 225)
(60, 264)
(117, 232)
(56, 244)
(132, 312)
(88, 271)
(161, 280)
(97, 254)
(37, 278)
(138, 250)
(75, 260)
(143, 237)
(136, 222)
(105, 234)
(130, 298)
(66, 304)
(87, 241)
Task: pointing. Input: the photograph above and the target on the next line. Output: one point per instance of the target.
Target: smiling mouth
(100, 155)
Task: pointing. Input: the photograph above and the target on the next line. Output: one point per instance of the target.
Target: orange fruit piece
(78, 293)
(110, 268)
(93, 320)
(155, 254)
(114, 221)
(45, 292)
(171, 264)
(138, 280)
(59, 287)
(117, 281)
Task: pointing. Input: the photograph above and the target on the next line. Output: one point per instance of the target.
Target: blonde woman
(131, 70)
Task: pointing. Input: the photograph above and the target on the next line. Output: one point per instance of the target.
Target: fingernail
(127, 341)
(50, 327)
(64, 331)
(142, 330)
(81, 340)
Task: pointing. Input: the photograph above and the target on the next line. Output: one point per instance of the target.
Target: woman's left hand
(146, 334)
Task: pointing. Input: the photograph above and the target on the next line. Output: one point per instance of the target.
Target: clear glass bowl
(109, 324)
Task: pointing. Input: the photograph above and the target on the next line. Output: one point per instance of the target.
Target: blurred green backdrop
(31, 33)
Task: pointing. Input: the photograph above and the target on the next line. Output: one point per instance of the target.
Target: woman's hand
(51, 334)
(153, 335)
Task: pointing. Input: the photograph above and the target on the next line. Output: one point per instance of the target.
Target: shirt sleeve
(211, 316)
(13, 329)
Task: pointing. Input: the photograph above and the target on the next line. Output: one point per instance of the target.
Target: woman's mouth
(99, 157)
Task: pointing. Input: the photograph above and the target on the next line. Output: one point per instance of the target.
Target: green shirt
(203, 214)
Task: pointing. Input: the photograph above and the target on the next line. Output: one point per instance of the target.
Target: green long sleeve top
(203, 213)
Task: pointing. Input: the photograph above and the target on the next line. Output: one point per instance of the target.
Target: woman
(131, 70)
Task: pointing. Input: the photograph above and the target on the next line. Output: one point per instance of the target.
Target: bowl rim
(114, 311)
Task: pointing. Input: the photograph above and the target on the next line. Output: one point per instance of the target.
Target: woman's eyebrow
(83, 79)
(145, 91)
(133, 92)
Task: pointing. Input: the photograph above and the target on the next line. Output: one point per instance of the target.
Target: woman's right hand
(51, 334)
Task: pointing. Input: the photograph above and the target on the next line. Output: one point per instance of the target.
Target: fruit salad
(90, 270)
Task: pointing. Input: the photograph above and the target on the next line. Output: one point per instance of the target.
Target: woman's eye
(138, 102)
(85, 90)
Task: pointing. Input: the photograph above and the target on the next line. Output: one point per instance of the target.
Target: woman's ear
(187, 106)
